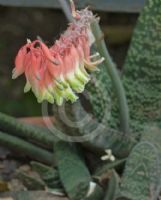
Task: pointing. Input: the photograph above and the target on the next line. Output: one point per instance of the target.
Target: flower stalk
(112, 71)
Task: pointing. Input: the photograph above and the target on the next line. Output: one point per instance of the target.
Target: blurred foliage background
(18, 24)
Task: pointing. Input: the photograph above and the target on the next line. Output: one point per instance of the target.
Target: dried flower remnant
(61, 71)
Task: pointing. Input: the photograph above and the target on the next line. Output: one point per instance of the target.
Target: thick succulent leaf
(48, 174)
(142, 176)
(100, 137)
(74, 174)
(142, 69)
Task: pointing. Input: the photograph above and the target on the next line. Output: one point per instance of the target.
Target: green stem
(19, 145)
(112, 71)
(65, 7)
(13, 126)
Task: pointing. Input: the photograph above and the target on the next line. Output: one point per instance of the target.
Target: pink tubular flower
(59, 72)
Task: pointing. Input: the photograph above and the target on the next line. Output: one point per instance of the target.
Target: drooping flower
(61, 71)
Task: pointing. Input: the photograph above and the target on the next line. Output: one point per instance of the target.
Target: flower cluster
(61, 71)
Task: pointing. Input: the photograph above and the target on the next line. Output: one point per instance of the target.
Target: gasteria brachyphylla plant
(58, 72)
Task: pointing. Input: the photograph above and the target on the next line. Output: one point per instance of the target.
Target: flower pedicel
(61, 71)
